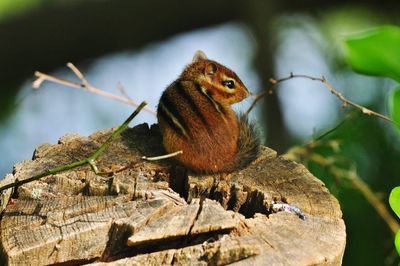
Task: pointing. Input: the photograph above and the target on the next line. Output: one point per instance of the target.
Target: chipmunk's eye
(229, 83)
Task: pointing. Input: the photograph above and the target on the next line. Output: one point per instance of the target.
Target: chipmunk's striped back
(195, 116)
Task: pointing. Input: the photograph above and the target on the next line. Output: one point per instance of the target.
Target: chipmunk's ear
(198, 56)
(211, 69)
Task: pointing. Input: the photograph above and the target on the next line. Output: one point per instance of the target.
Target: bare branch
(343, 99)
(122, 90)
(256, 98)
(85, 85)
(79, 74)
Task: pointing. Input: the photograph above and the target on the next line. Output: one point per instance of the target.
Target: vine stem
(91, 160)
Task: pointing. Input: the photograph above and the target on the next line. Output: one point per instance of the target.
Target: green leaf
(394, 106)
(397, 242)
(375, 52)
(394, 200)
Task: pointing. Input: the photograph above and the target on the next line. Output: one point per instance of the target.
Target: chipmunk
(195, 116)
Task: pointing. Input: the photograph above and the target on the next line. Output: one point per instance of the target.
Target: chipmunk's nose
(247, 93)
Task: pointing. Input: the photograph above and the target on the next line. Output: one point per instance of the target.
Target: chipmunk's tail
(248, 142)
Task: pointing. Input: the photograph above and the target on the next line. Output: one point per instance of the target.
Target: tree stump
(156, 214)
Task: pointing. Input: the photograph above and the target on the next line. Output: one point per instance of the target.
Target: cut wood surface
(153, 213)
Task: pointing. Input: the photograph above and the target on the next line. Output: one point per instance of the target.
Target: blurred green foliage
(365, 151)
(10, 8)
(394, 106)
(377, 52)
(366, 148)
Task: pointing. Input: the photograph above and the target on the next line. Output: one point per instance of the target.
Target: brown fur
(214, 133)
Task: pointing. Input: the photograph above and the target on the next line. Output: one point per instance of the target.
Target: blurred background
(144, 45)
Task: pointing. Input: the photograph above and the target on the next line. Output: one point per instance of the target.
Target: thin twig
(85, 85)
(89, 160)
(166, 156)
(322, 79)
(257, 97)
(123, 91)
(79, 74)
(345, 101)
